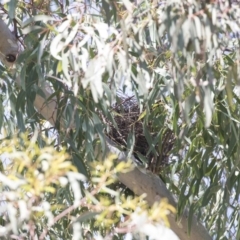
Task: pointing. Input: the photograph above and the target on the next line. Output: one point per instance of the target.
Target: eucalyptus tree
(179, 60)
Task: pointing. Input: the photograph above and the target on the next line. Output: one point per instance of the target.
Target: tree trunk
(139, 180)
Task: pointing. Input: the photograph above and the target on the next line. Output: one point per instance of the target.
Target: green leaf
(1, 112)
(86, 216)
(12, 4)
(208, 106)
(130, 143)
(190, 218)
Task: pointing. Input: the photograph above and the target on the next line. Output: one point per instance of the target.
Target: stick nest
(126, 116)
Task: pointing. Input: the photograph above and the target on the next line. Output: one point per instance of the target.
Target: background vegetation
(160, 78)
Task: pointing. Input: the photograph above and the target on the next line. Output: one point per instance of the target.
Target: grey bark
(8, 43)
(139, 180)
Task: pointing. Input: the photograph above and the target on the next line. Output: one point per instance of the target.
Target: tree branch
(8, 44)
(143, 181)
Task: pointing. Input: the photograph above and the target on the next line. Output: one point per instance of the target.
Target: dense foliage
(43, 197)
(181, 62)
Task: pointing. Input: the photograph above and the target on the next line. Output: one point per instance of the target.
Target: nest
(127, 114)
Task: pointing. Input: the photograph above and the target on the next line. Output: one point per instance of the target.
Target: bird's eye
(10, 58)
